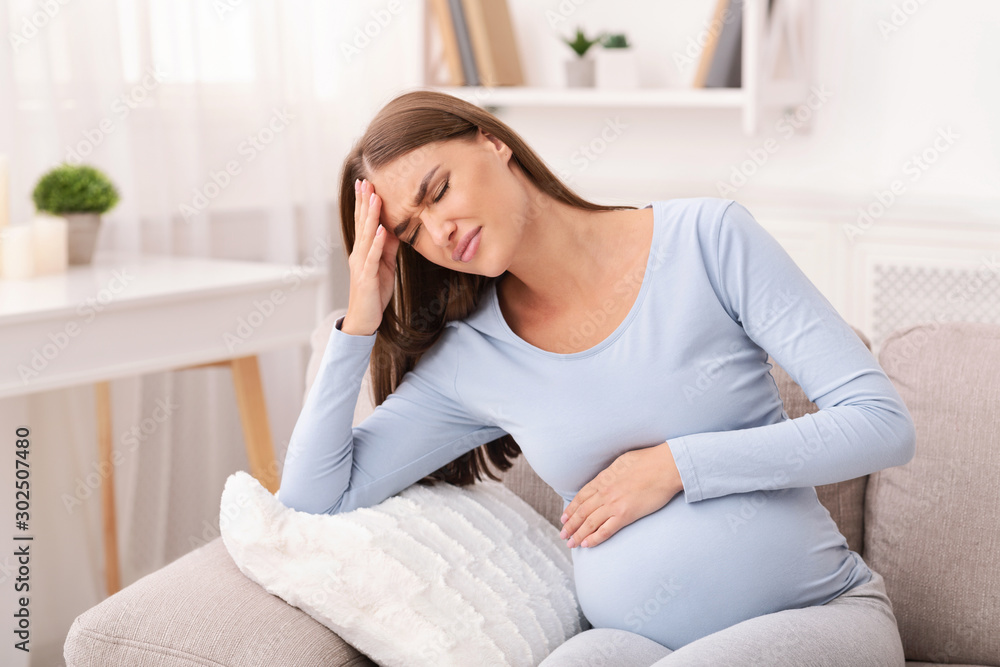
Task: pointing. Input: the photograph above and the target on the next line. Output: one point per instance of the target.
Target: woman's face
(469, 190)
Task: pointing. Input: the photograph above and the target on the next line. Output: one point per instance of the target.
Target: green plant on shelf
(615, 41)
(581, 44)
(74, 189)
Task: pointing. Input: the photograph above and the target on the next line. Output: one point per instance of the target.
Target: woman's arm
(332, 467)
(862, 425)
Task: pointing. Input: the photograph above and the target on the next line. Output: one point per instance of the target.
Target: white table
(122, 317)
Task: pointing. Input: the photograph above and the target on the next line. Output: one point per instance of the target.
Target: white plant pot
(616, 69)
(580, 72)
(81, 236)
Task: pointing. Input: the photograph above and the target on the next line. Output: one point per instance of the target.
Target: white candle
(49, 239)
(4, 192)
(18, 251)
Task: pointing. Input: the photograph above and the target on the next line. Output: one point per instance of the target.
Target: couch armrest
(201, 610)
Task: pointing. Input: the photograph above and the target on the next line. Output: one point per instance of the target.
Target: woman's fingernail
(357, 184)
(563, 518)
(562, 533)
(371, 200)
(571, 543)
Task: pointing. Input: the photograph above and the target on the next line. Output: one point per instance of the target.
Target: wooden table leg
(256, 432)
(102, 396)
(253, 415)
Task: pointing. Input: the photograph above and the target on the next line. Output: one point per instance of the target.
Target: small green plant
(580, 44)
(615, 41)
(74, 189)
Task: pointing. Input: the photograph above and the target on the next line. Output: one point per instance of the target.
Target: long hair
(427, 295)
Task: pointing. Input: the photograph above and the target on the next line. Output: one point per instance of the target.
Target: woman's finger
(357, 207)
(363, 196)
(374, 205)
(586, 531)
(602, 532)
(374, 258)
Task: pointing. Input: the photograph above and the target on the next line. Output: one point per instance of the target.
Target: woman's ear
(501, 148)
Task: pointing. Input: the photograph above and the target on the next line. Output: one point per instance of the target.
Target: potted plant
(580, 70)
(79, 193)
(615, 63)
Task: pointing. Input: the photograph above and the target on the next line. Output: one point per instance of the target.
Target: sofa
(930, 527)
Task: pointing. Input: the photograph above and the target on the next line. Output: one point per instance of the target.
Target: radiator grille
(908, 295)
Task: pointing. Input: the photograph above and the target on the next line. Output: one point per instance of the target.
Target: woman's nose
(441, 231)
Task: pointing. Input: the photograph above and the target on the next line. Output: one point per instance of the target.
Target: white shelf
(763, 38)
(537, 96)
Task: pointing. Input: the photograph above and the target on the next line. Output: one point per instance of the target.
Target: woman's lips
(467, 247)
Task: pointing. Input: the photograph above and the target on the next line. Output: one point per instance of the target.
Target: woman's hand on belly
(637, 483)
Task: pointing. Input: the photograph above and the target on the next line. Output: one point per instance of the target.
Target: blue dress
(687, 365)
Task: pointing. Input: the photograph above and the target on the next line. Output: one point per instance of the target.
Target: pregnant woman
(623, 351)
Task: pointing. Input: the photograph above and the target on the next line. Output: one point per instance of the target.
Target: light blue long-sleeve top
(687, 365)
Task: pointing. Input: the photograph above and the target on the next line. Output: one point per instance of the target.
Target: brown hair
(428, 295)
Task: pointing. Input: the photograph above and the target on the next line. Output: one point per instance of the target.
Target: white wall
(890, 92)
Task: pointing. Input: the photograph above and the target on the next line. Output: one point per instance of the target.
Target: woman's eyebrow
(419, 197)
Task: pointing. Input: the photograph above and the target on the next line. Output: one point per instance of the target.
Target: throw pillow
(439, 575)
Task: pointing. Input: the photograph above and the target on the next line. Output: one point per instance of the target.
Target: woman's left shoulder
(711, 206)
(703, 213)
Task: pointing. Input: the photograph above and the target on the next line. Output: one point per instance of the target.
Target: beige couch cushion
(932, 526)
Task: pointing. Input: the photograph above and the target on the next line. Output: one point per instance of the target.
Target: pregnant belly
(690, 569)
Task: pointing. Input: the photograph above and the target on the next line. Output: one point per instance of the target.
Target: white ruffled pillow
(436, 576)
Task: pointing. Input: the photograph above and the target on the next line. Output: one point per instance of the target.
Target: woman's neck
(567, 255)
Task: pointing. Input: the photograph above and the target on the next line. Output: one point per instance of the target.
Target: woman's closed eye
(416, 230)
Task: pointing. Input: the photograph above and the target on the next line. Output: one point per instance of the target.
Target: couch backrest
(932, 526)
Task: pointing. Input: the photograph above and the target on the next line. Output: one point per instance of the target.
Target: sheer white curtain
(162, 95)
